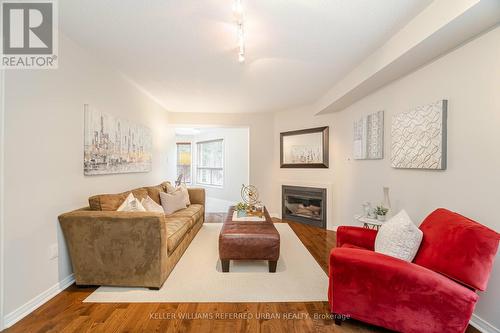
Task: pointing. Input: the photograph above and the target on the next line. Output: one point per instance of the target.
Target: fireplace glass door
(304, 204)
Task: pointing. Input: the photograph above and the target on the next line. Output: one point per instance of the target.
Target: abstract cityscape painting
(114, 145)
(419, 137)
(368, 141)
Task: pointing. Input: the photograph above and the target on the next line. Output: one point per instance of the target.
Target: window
(210, 169)
(184, 161)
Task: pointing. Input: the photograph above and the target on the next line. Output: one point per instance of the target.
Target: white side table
(368, 222)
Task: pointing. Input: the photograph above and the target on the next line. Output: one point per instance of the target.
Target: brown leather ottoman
(249, 241)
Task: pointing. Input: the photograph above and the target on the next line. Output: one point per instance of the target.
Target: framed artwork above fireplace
(307, 148)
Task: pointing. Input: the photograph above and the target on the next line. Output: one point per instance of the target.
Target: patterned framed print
(368, 142)
(419, 137)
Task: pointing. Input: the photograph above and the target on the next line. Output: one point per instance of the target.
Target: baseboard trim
(30, 306)
(482, 325)
(275, 215)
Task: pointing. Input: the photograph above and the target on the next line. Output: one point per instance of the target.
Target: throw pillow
(399, 237)
(151, 206)
(131, 204)
(154, 193)
(169, 188)
(183, 189)
(172, 202)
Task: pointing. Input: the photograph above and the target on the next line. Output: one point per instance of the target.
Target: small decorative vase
(387, 201)
(367, 209)
(381, 218)
(372, 214)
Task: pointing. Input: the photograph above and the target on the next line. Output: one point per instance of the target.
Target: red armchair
(434, 293)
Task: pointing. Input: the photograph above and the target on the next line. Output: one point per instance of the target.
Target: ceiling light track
(239, 17)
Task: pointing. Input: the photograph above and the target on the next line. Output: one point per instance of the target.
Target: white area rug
(198, 277)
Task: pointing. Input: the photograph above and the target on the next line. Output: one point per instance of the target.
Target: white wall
(236, 163)
(469, 78)
(260, 127)
(43, 160)
(295, 120)
(2, 149)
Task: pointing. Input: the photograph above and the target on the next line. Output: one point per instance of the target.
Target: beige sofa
(136, 249)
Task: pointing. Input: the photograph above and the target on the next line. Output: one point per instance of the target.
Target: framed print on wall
(113, 145)
(419, 137)
(307, 148)
(368, 141)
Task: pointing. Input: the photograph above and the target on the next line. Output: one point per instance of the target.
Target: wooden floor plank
(67, 313)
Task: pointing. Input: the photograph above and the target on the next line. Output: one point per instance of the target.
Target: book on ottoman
(241, 216)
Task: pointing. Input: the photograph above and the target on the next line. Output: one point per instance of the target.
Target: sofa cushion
(458, 247)
(176, 230)
(154, 193)
(111, 202)
(194, 212)
(196, 195)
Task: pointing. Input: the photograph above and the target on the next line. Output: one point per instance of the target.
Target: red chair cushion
(396, 294)
(351, 246)
(457, 247)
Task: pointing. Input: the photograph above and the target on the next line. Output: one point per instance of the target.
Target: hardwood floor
(67, 313)
(318, 241)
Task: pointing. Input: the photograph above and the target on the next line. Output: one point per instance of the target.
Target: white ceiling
(184, 52)
(192, 131)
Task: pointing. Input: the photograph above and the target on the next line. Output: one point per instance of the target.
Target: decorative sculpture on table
(249, 194)
(251, 204)
(387, 201)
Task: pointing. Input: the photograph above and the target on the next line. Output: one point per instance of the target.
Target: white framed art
(368, 140)
(419, 137)
(113, 145)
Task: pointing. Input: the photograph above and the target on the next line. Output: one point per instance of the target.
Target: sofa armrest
(116, 248)
(197, 195)
(357, 236)
(383, 290)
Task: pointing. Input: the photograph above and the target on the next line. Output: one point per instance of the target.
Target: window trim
(198, 159)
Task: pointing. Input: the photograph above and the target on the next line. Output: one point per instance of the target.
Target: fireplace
(304, 204)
